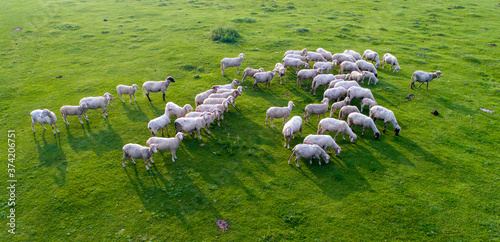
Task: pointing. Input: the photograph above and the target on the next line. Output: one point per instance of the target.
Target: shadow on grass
(102, 141)
(52, 155)
(417, 150)
(135, 114)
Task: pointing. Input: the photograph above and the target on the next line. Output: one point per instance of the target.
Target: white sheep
(372, 56)
(167, 143)
(392, 60)
(348, 67)
(371, 77)
(263, 77)
(136, 151)
(296, 52)
(332, 83)
(210, 107)
(343, 76)
(316, 109)
(366, 66)
(359, 92)
(130, 90)
(156, 86)
(313, 56)
(292, 62)
(379, 112)
(228, 86)
(160, 123)
(362, 120)
(326, 66)
(229, 99)
(250, 72)
(336, 126)
(308, 151)
(353, 53)
(307, 74)
(338, 105)
(279, 112)
(357, 76)
(420, 76)
(97, 102)
(302, 58)
(347, 84)
(234, 94)
(192, 124)
(67, 110)
(367, 102)
(240, 90)
(177, 111)
(334, 93)
(290, 128)
(346, 110)
(326, 54)
(324, 141)
(321, 80)
(211, 118)
(232, 62)
(43, 117)
(204, 95)
(281, 70)
(339, 58)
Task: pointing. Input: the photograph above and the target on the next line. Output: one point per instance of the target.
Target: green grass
(437, 181)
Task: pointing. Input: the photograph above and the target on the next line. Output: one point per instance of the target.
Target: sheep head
(188, 108)
(108, 96)
(438, 73)
(290, 104)
(135, 87)
(353, 137)
(397, 130)
(397, 69)
(377, 135)
(84, 106)
(169, 79)
(180, 135)
(337, 151)
(236, 82)
(153, 149)
(335, 62)
(241, 56)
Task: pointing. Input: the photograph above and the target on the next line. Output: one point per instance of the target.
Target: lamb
(348, 67)
(130, 90)
(177, 111)
(316, 109)
(420, 76)
(370, 55)
(296, 52)
(250, 72)
(346, 110)
(357, 76)
(290, 128)
(43, 117)
(315, 56)
(343, 76)
(359, 92)
(210, 107)
(302, 58)
(97, 102)
(367, 102)
(279, 112)
(232, 62)
(229, 99)
(326, 54)
(360, 119)
(347, 84)
(392, 60)
(167, 143)
(308, 151)
(67, 110)
(323, 141)
(159, 123)
(343, 57)
(204, 95)
(234, 93)
(332, 83)
(192, 124)
(337, 126)
(371, 77)
(211, 118)
(156, 86)
(240, 90)
(227, 86)
(292, 62)
(327, 66)
(338, 105)
(263, 77)
(136, 151)
(379, 112)
(306, 74)
(321, 80)
(281, 70)
(366, 66)
(353, 53)
(335, 93)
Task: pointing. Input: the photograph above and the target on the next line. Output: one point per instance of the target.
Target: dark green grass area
(438, 180)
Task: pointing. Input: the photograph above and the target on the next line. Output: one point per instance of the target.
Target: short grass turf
(438, 180)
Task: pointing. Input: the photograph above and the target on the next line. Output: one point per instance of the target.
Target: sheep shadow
(135, 114)
(51, 155)
(414, 148)
(155, 110)
(80, 143)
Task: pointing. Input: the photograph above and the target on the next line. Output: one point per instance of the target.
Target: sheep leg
(104, 112)
(42, 125)
(163, 96)
(33, 126)
(134, 97)
(222, 68)
(152, 161)
(272, 122)
(293, 153)
(306, 117)
(130, 98)
(80, 118)
(206, 128)
(363, 132)
(173, 155)
(238, 70)
(147, 95)
(427, 88)
(53, 128)
(301, 131)
(147, 165)
(133, 161)
(166, 128)
(420, 85)
(66, 121)
(124, 158)
(310, 160)
(385, 124)
(199, 134)
(285, 140)
(267, 117)
(120, 95)
(85, 115)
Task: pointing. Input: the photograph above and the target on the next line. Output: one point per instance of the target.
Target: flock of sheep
(211, 104)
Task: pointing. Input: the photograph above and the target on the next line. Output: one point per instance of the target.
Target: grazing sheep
(420, 76)
(228, 86)
(370, 55)
(379, 112)
(337, 126)
(192, 124)
(292, 62)
(308, 151)
(327, 66)
(353, 53)
(177, 111)
(156, 86)
(367, 102)
(302, 58)
(315, 56)
(326, 54)
(211, 118)
(229, 99)
(366, 66)
(290, 128)
(232, 62)
(307, 74)
(334, 93)
(332, 83)
(357, 76)
(202, 96)
(136, 151)
(362, 120)
(371, 77)
(167, 143)
(240, 90)
(279, 112)
(321, 80)
(343, 76)
(67, 110)
(159, 123)
(392, 60)
(130, 90)
(250, 72)
(210, 107)
(338, 105)
(97, 102)
(263, 77)
(359, 92)
(347, 84)
(346, 110)
(348, 67)
(316, 109)
(324, 141)
(234, 93)
(296, 52)
(343, 57)
(281, 70)
(43, 117)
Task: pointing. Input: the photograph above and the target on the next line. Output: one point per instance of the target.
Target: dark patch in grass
(87, 35)
(472, 59)
(332, 17)
(345, 30)
(476, 16)
(68, 27)
(188, 67)
(225, 34)
(353, 26)
(244, 20)
(302, 30)
(105, 31)
(382, 29)
(458, 7)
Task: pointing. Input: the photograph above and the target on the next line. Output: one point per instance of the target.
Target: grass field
(438, 180)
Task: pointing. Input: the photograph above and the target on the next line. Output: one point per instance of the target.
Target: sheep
(357, 76)
(326, 54)
(292, 62)
(366, 66)
(192, 124)
(371, 77)
(359, 92)
(334, 93)
(308, 151)
(353, 53)
(360, 119)
(296, 52)
(321, 80)
(323, 141)
(337, 126)
(67, 110)
(281, 70)
(211, 118)
(228, 86)
(343, 76)
(159, 123)
(348, 67)
(306, 74)
(316, 109)
(167, 143)
(370, 55)
(97, 102)
(346, 110)
(234, 93)
(379, 112)
(367, 102)
(302, 58)
(250, 72)
(136, 151)
(210, 107)
(204, 95)
(43, 117)
(279, 112)
(177, 111)
(263, 77)
(229, 99)
(343, 57)
(130, 90)
(156, 86)
(347, 84)
(338, 105)
(290, 128)
(231, 62)
(332, 83)
(315, 56)
(392, 60)
(327, 66)
(240, 90)
(420, 76)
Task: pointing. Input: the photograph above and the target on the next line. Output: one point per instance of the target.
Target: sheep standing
(302, 58)
(204, 95)
(232, 62)
(211, 118)
(67, 110)
(372, 56)
(332, 83)
(97, 102)
(316, 109)
(296, 52)
(192, 124)
(228, 86)
(366, 66)
(308, 151)
(159, 123)
(211, 107)
(326, 54)
(334, 93)
(357, 76)
(420, 76)
(367, 102)
(239, 89)
(337, 126)
(290, 128)
(156, 86)
(177, 111)
(323, 141)
(136, 151)
(263, 77)
(315, 56)
(250, 72)
(321, 80)
(392, 60)
(359, 92)
(279, 112)
(307, 74)
(362, 120)
(379, 112)
(229, 99)
(326, 66)
(353, 53)
(338, 105)
(281, 70)
(371, 77)
(130, 90)
(292, 62)
(43, 117)
(343, 76)
(234, 93)
(347, 84)
(346, 110)
(348, 67)
(343, 57)
(167, 143)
